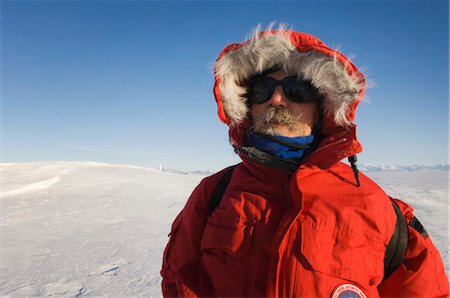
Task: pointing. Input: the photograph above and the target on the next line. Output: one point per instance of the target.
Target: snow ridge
(31, 187)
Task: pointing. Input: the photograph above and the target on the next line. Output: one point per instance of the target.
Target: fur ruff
(328, 74)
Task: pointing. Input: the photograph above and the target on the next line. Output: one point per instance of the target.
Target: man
(293, 220)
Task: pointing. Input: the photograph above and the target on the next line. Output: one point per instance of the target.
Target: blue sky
(131, 82)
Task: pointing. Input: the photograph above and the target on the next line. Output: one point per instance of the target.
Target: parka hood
(340, 83)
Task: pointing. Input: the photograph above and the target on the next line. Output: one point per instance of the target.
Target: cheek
(257, 111)
(308, 112)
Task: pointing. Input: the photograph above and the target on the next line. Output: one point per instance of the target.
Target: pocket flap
(227, 235)
(352, 256)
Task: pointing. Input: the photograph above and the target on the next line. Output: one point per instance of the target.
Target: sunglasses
(261, 89)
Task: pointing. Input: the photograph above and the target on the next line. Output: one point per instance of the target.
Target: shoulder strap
(220, 189)
(396, 249)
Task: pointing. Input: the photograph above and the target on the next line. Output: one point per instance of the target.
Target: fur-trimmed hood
(340, 83)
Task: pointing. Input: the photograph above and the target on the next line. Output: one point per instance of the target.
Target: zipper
(330, 145)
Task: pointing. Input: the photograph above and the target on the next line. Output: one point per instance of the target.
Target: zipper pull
(352, 159)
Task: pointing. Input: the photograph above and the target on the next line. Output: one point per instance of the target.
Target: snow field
(99, 230)
(90, 229)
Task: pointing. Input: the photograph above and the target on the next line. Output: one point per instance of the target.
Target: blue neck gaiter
(281, 146)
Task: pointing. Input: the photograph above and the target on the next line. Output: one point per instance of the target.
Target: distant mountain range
(378, 168)
(364, 167)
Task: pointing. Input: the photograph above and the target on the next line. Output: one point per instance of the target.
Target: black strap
(220, 189)
(396, 249)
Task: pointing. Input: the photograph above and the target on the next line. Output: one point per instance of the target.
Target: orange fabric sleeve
(422, 272)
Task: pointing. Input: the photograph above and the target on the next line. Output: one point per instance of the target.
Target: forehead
(278, 75)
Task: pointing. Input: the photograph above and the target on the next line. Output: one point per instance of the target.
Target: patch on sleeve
(348, 291)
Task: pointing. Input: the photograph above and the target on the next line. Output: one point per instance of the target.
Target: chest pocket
(227, 236)
(350, 255)
(229, 230)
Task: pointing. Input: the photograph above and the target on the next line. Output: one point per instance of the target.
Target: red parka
(311, 232)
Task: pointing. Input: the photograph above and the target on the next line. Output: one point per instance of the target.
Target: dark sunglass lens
(297, 91)
(260, 90)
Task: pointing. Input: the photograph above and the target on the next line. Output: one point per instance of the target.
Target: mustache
(275, 115)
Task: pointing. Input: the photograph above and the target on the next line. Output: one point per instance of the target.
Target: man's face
(280, 116)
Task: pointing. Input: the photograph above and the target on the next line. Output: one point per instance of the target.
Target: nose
(278, 97)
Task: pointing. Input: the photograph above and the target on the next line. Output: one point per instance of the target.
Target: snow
(94, 229)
